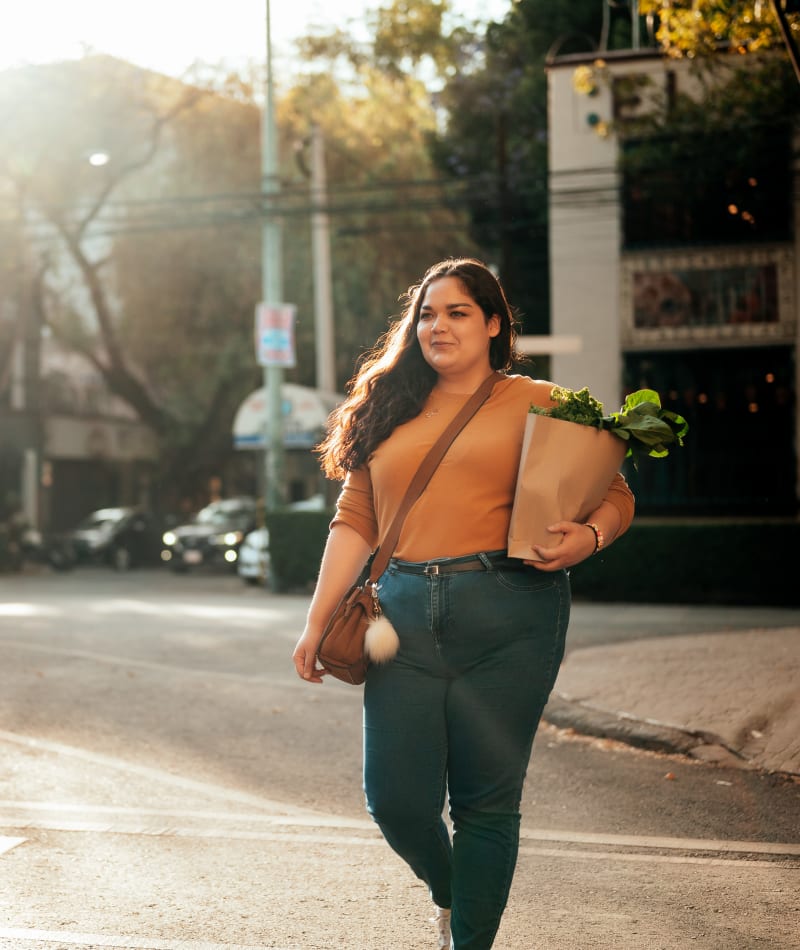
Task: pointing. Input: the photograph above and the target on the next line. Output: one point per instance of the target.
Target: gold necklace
(432, 410)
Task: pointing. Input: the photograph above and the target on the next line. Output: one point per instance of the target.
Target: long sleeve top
(466, 506)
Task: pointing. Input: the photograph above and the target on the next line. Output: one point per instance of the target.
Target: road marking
(662, 843)
(218, 826)
(627, 856)
(69, 938)
(28, 610)
(238, 615)
(115, 659)
(312, 820)
(228, 613)
(99, 827)
(154, 774)
(283, 815)
(338, 841)
(6, 844)
(12, 811)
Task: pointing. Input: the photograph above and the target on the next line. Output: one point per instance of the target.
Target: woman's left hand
(577, 543)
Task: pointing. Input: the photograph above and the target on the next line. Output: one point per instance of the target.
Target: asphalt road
(167, 782)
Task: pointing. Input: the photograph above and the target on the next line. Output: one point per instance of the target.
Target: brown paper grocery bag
(564, 473)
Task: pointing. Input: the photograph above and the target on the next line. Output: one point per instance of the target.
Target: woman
(481, 636)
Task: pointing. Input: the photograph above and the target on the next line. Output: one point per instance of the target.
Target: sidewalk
(731, 698)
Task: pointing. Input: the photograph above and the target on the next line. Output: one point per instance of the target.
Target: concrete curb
(644, 734)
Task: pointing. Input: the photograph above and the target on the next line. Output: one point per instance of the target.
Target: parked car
(312, 503)
(120, 537)
(54, 550)
(253, 564)
(212, 538)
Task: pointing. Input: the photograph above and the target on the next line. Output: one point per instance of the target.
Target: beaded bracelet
(599, 539)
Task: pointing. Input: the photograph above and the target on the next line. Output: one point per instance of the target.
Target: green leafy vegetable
(641, 422)
(571, 406)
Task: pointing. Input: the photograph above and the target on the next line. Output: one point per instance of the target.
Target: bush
(5, 557)
(296, 542)
(657, 562)
(739, 563)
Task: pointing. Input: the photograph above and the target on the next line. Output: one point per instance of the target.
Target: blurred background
(205, 220)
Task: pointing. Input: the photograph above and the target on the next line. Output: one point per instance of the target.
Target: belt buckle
(431, 569)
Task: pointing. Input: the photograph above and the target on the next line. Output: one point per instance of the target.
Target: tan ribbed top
(467, 504)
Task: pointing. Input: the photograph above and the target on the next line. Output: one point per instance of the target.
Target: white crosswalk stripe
(70, 939)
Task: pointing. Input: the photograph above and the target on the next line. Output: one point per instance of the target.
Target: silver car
(253, 565)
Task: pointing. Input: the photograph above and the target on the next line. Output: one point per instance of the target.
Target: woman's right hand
(345, 555)
(305, 657)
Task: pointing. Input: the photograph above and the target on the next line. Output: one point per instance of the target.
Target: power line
(529, 183)
(577, 189)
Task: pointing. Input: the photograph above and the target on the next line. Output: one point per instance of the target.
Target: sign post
(275, 334)
(272, 287)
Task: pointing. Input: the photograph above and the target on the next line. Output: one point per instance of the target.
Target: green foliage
(743, 97)
(698, 27)
(406, 38)
(408, 32)
(5, 553)
(648, 429)
(390, 218)
(712, 163)
(690, 562)
(296, 543)
(573, 406)
(493, 138)
(641, 422)
(695, 563)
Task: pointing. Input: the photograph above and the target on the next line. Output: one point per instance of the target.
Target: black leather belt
(458, 565)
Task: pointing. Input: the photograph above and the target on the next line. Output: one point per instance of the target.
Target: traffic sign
(275, 334)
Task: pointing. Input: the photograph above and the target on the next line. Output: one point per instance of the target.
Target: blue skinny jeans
(455, 714)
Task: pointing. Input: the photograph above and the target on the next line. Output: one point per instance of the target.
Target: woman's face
(453, 332)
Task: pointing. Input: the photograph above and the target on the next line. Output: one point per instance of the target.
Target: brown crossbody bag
(344, 649)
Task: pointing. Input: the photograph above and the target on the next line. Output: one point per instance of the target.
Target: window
(739, 456)
(705, 296)
(728, 187)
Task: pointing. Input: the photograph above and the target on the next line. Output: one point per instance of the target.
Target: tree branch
(159, 123)
(118, 374)
(786, 33)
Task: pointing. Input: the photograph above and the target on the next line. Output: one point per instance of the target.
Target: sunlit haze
(170, 35)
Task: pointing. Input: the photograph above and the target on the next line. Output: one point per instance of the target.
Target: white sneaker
(441, 918)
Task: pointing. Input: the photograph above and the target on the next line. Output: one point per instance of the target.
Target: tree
(494, 133)
(152, 261)
(141, 278)
(699, 27)
(392, 215)
(479, 97)
(750, 102)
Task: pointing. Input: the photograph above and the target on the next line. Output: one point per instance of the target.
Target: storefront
(305, 416)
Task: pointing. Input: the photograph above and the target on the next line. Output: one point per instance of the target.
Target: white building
(684, 280)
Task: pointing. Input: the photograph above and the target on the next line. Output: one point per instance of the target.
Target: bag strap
(425, 472)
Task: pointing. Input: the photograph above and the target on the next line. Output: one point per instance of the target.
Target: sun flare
(170, 36)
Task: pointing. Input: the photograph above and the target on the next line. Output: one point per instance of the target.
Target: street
(166, 782)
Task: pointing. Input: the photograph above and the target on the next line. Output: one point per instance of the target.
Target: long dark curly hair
(393, 380)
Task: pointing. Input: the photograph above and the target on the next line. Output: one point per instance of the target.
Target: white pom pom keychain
(381, 642)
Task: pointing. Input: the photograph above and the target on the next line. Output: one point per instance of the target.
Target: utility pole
(271, 283)
(321, 253)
